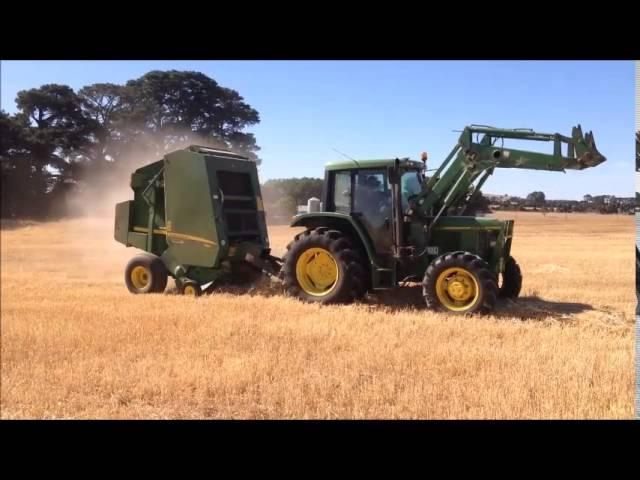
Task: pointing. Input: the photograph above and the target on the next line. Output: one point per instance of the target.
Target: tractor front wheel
(145, 274)
(322, 265)
(460, 283)
(511, 279)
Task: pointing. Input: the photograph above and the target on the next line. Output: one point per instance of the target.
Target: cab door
(372, 207)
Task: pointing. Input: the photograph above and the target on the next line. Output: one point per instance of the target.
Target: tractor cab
(375, 194)
(353, 187)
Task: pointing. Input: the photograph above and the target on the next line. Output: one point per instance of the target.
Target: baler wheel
(190, 288)
(511, 279)
(460, 283)
(145, 274)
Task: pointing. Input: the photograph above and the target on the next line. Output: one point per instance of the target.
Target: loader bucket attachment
(586, 153)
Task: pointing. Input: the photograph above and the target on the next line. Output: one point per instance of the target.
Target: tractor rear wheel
(322, 265)
(145, 274)
(460, 283)
(511, 279)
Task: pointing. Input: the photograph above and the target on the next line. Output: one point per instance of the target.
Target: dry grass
(76, 344)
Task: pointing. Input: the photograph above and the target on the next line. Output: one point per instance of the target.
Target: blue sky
(384, 109)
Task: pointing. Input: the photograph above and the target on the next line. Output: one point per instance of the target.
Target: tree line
(282, 196)
(605, 204)
(60, 139)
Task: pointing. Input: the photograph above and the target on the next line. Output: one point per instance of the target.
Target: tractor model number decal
(432, 250)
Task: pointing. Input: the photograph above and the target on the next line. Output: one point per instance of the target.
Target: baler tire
(145, 274)
(190, 288)
(511, 279)
(351, 282)
(474, 270)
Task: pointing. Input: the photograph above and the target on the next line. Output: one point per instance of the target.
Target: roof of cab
(379, 163)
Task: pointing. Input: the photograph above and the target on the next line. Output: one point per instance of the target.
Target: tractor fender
(338, 221)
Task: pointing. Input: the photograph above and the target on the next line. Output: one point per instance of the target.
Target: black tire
(190, 287)
(154, 278)
(352, 278)
(479, 275)
(511, 279)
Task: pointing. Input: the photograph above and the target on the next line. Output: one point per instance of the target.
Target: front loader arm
(453, 183)
(581, 151)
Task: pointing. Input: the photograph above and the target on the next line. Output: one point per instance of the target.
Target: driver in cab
(374, 201)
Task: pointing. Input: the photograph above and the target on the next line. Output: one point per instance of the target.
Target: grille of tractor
(239, 204)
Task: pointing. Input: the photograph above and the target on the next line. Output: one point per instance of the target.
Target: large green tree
(104, 105)
(61, 141)
(42, 164)
(536, 199)
(174, 108)
(15, 170)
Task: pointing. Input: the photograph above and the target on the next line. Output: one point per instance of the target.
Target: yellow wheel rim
(140, 277)
(457, 289)
(190, 290)
(317, 272)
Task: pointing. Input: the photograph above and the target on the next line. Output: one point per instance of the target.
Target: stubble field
(76, 344)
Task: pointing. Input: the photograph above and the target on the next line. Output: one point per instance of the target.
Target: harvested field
(76, 344)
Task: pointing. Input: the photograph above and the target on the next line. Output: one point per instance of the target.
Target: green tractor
(385, 223)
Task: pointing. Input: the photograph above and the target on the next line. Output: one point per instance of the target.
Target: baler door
(238, 205)
(190, 217)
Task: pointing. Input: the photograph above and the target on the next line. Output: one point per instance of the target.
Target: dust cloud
(90, 207)
(101, 187)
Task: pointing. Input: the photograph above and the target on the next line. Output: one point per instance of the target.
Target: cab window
(371, 190)
(342, 192)
(410, 185)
